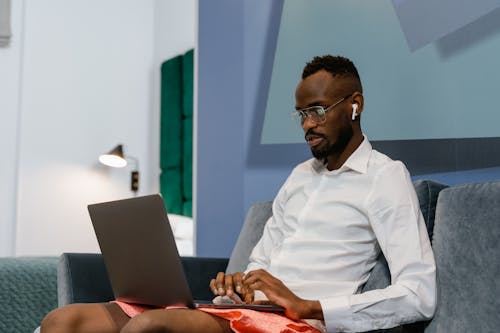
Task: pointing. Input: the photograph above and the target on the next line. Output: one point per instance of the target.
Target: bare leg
(82, 318)
(176, 320)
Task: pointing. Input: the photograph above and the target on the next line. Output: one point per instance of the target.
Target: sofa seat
(28, 291)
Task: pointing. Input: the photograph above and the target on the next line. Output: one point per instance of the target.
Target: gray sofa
(28, 290)
(464, 225)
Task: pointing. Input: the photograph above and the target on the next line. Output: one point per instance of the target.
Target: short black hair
(335, 65)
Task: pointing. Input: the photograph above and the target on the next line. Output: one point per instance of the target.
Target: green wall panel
(187, 175)
(171, 189)
(176, 146)
(171, 113)
(187, 79)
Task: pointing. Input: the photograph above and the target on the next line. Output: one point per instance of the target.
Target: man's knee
(144, 324)
(79, 318)
(60, 320)
(175, 320)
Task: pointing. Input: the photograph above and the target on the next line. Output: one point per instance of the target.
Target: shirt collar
(358, 161)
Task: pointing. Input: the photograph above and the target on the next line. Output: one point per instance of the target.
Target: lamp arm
(133, 159)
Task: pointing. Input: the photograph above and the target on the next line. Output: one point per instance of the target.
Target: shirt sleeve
(398, 224)
(271, 236)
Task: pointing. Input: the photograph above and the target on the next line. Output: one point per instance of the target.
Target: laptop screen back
(139, 251)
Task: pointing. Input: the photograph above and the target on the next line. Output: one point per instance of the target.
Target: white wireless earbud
(354, 109)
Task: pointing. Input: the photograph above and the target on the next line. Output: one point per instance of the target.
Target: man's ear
(357, 99)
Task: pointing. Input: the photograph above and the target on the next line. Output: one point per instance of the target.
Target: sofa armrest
(82, 277)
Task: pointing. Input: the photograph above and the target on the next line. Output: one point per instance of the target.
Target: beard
(345, 135)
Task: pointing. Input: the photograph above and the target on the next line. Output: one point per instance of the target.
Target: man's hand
(277, 293)
(228, 284)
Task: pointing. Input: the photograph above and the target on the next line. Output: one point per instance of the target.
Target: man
(331, 219)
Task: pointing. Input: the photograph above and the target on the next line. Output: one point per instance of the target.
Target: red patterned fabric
(250, 321)
(241, 320)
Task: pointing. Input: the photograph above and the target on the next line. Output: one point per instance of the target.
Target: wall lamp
(116, 159)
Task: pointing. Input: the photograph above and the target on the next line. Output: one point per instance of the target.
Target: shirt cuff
(336, 312)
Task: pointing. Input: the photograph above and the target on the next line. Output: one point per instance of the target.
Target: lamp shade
(114, 158)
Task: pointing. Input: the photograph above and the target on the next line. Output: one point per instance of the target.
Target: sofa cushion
(466, 247)
(250, 234)
(28, 291)
(427, 193)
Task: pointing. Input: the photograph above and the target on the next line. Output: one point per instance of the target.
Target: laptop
(141, 257)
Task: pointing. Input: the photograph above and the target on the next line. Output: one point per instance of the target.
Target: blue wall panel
(237, 41)
(220, 155)
(444, 90)
(424, 21)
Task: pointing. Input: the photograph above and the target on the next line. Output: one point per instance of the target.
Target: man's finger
(213, 286)
(228, 283)
(220, 284)
(248, 297)
(238, 282)
(251, 280)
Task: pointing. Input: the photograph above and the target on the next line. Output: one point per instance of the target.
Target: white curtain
(5, 31)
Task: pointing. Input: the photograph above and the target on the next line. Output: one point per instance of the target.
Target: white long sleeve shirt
(327, 230)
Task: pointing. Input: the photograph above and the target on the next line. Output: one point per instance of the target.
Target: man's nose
(308, 124)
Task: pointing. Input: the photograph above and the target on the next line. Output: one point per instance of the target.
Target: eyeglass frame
(305, 113)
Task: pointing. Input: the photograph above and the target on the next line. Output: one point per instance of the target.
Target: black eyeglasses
(316, 113)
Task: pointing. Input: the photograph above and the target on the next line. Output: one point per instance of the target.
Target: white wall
(88, 81)
(10, 66)
(175, 23)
